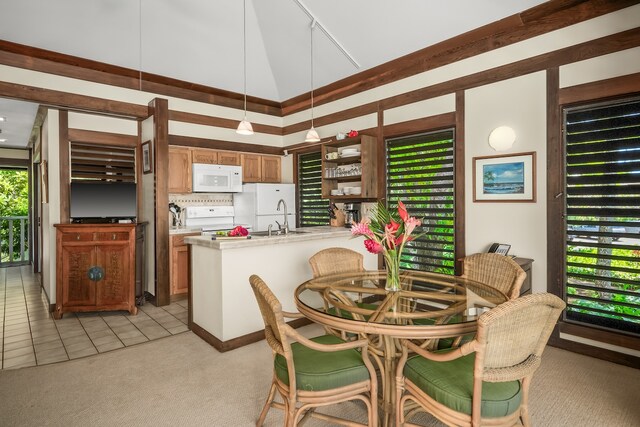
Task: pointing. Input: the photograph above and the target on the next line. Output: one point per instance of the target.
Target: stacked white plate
(349, 152)
(352, 190)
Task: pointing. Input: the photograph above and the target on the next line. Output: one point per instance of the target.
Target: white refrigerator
(257, 205)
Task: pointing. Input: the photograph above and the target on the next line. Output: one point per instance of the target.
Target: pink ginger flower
(373, 246)
(410, 224)
(361, 229)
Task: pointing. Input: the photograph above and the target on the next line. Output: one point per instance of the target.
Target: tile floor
(30, 336)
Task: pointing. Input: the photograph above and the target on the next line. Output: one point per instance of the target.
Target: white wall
(50, 210)
(521, 104)
(147, 210)
(11, 153)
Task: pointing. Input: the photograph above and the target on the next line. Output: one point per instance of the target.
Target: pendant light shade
(312, 135)
(244, 128)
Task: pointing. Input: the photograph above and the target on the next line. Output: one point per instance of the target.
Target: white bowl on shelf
(347, 190)
(337, 192)
(356, 191)
(350, 150)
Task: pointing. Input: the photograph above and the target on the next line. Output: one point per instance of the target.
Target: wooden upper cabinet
(251, 167)
(204, 156)
(228, 158)
(179, 170)
(271, 168)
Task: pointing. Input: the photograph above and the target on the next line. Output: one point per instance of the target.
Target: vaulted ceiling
(201, 41)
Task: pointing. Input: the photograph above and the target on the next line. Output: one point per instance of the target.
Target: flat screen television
(102, 200)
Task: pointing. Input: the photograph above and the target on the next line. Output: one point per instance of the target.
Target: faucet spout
(285, 226)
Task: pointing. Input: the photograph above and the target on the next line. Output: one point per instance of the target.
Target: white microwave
(216, 178)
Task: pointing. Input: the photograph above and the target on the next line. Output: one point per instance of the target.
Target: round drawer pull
(95, 273)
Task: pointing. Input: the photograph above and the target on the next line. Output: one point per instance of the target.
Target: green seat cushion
(451, 383)
(318, 370)
(348, 315)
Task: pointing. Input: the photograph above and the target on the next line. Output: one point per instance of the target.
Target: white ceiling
(200, 41)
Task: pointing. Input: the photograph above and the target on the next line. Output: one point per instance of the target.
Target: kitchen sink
(276, 233)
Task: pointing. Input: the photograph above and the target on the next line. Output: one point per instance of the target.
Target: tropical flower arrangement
(387, 233)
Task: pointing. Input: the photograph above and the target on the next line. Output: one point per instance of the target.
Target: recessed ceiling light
(3, 119)
(3, 140)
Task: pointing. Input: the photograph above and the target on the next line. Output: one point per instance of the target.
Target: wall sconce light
(502, 138)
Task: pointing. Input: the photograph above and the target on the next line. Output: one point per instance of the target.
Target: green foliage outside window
(14, 201)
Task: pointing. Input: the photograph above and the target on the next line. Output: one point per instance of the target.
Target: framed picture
(505, 178)
(146, 157)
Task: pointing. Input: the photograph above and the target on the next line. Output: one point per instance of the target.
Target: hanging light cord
(244, 53)
(313, 24)
(140, 45)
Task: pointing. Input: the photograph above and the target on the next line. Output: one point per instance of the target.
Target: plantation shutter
(98, 162)
(603, 215)
(420, 173)
(312, 208)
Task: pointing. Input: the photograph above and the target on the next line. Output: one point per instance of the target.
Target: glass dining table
(430, 307)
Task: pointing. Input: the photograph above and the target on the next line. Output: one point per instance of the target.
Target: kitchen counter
(309, 233)
(223, 308)
(184, 230)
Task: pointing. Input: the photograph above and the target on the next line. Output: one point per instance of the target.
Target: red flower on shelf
(352, 133)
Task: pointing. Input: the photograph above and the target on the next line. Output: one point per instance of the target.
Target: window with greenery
(602, 284)
(312, 208)
(14, 216)
(98, 162)
(420, 173)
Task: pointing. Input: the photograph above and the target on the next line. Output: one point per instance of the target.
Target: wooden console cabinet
(95, 268)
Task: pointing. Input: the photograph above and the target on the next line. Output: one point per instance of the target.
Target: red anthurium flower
(373, 246)
(402, 211)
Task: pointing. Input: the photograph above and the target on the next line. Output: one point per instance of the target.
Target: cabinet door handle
(77, 237)
(113, 236)
(95, 273)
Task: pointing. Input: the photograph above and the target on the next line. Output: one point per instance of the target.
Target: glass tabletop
(359, 302)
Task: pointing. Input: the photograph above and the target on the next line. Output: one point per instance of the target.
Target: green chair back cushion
(318, 370)
(451, 384)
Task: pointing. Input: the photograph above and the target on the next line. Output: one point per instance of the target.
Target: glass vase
(393, 273)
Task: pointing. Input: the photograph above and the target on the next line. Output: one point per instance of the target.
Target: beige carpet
(182, 381)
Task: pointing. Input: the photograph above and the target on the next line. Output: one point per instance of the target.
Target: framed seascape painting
(505, 178)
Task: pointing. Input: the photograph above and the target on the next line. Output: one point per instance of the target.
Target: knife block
(338, 221)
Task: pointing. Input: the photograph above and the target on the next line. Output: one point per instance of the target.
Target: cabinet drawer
(77, 237)
(99, 237)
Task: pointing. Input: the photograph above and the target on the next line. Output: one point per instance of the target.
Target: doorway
(15, 221)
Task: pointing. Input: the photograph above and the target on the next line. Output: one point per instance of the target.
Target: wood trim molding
(200, 119)
(71, 101)
(597, 352)
(7, 161)
(541, 19)
(103, 138)
(190, 141)
(63, 138)
(617, 86)
(223, 346)
(459, 183)
(32, 58)
(159, 108)
(604, 336)
(430, 123)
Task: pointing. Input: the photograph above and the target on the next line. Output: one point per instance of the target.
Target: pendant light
(244, 128)
(312, 135)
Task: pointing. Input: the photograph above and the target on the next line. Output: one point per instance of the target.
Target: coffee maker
(352, 213)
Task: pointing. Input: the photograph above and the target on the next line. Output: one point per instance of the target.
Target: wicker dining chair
(485, 381)
(498, 271)
(336, 260)
(315, 372)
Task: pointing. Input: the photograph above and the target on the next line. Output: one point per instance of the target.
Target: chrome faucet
(285, 227)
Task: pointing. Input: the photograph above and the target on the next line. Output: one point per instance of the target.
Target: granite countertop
(184, 230)
(311, 233)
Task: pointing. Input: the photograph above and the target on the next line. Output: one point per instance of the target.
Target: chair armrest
(291, 315)
(323, 347)
(464, 350)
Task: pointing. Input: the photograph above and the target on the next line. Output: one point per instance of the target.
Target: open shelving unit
(367, 180)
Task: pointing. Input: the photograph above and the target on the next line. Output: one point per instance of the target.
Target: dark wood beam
(103, 138)
(189, 141)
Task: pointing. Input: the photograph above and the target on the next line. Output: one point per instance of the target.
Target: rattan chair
(315, 372)
(336, 260)
(498, 271)
(485, 381)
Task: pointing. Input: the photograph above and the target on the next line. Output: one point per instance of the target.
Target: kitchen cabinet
(258, 168)
(179, 170)
(95, 268)
(251, 167)
(214, 157)
(271, 168)
(358, 170)
(179, 266)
